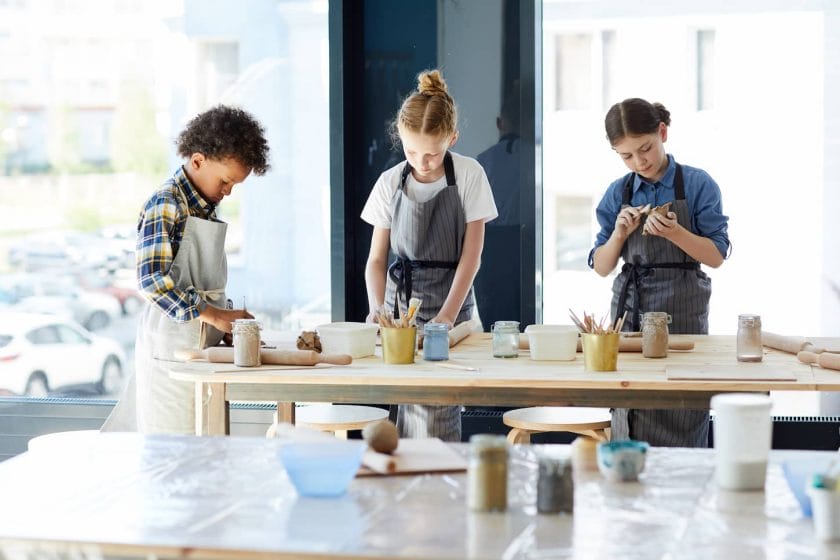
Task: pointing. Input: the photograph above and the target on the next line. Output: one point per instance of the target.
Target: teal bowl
(322, 469)
(622, 460)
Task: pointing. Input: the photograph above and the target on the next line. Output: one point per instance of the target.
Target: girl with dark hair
(662, 252)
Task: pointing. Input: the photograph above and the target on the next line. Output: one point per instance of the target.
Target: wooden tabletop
(473, 377)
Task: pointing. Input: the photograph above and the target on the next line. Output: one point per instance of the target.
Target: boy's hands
(223, 319)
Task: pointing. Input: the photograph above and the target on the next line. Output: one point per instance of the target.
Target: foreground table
(639, 382)
(129, 495)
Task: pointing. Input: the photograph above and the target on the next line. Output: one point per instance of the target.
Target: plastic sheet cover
(127, 495)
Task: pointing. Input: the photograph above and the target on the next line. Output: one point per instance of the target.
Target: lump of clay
(661, 210)
(381, 436)
(309, 340)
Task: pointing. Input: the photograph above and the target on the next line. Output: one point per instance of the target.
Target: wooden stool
(338, 418)
(590, 422)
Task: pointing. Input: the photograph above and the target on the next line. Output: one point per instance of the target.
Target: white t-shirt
(473, 188)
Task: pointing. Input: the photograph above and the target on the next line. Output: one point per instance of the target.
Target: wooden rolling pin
(379, 462)
(224, 355)
(789, 344)
(456, 333)
(634, 344)
(829, 360)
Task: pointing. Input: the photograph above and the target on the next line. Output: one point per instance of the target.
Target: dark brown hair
(429, 109)
(226, 132)
(634, 117)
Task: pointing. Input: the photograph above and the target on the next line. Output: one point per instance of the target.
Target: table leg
(285, 412)
(212, 412)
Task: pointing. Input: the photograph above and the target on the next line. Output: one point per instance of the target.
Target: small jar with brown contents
(487, 473)
(655, 334)
(748, 342)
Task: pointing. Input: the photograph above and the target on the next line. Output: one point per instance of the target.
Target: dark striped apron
(427, 239)
(659, 276)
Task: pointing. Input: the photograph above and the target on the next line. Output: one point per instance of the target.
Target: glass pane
(760, 139)
(92, 97)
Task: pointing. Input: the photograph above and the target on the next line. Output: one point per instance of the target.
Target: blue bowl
(322, 469)
(622, 460)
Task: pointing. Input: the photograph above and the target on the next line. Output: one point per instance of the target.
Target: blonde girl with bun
(429, 211)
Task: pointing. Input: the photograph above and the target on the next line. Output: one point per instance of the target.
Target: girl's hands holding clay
(628, 220)
(661, 225)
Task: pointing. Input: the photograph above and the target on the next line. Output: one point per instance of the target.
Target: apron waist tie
(401, 271)
(635, 272)
(212, 295)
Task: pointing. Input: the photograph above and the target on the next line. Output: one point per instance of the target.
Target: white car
(40, 353)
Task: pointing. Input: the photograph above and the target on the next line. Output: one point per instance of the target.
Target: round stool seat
(338, 417)
(70, 440)
(592, 422)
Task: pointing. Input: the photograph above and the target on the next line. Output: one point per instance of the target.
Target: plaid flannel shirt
(159, 232)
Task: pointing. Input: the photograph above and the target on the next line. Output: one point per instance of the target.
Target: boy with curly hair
(182, 268)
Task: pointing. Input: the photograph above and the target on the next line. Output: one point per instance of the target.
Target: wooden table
(130, 496)
(639, 382)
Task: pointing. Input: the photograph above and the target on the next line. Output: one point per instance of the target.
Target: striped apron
(659, 276)
(427, 239)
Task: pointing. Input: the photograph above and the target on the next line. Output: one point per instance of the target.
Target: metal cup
(398, 344)
(600, 351)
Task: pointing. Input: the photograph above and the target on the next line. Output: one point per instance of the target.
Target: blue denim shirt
(702, 195)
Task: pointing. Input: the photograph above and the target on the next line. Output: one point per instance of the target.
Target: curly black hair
(226, 132)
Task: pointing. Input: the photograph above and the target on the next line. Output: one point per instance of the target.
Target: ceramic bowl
(622, 461)
(322, 469)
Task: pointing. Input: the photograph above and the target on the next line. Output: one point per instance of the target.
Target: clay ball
(381, 436)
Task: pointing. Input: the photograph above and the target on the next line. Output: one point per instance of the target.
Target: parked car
(120, 284)
(41, 353)
(58, 295)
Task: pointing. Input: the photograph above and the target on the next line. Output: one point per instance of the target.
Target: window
(573, 71)
(90, 106)
(705, 70)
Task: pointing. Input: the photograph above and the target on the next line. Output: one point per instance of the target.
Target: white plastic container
(356, 339)
(552, 342)
(826, 507)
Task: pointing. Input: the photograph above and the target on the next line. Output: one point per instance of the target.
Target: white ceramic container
(356, 339)
(552, 342)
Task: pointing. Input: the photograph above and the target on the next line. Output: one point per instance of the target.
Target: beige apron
(152, 402)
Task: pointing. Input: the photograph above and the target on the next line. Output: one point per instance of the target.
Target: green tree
(136, 144)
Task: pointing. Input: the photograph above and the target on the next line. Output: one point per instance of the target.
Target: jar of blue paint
(435, 342)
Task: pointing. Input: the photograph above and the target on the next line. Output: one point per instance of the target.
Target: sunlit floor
(800, 403)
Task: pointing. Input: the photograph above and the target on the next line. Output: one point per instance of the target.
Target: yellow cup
(398, 345)
(600, 351)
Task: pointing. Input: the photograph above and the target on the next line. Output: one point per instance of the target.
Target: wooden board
(416, 455)
(740, 371)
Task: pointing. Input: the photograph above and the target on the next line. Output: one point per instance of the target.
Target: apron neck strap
(448, 168)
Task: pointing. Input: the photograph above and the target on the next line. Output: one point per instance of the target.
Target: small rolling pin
(456, 334)
(789, 344)
(224, 355)
(829, 361)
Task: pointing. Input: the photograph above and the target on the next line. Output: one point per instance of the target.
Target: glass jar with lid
(487, 473)
(748, 343)
(505, 339)
(435, 341)
(655, 334)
